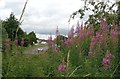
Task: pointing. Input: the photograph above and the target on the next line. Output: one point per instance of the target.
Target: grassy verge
(0, 64)
(27, 65)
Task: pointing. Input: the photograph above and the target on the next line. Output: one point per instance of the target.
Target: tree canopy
(32, 37)
(98, 9)
(11, 24)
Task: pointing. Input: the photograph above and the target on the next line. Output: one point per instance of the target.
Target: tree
(99, 9)
(26, 41)
(32, 37)
(11, 24)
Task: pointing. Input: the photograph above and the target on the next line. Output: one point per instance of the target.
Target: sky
(43, 16)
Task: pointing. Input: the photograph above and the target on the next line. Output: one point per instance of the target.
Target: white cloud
(43, 16)
(5, 13)
(44, 36)
(2, 3)
(49, 14)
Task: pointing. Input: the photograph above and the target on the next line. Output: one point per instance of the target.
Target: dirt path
(35, 50)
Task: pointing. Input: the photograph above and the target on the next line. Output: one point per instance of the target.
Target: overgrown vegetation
(91, 50)
(10, 26)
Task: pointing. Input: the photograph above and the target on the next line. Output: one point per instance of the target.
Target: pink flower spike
(114, 33)
(61, 68)
(50, 41)
(108, 62)
(93, 39)
(16, 41)
(71, 33)
(99, 37)
(78, 28)
(81, 35)
(7, 43)
(56, 49)
(108, 54)
(67, 41)
(104, 61)
(22, 42)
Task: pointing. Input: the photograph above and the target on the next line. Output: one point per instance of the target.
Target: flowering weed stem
(115, 70)
(74, 71)
(68, 58)
(86, 75)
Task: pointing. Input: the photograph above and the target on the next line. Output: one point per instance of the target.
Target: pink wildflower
(114, 33)
(78, 28)
(50, 41)
(16, 41)
(71, 33)
(67, 41)
(115, 27)
(99, 37)
(93, 41)
(108, 62)
(22, 42)
(61, 68)
(56, 49)
(7, 43)
(108, 54)
(80, 35)
(91, 31)
(104, 61)
(104, 25)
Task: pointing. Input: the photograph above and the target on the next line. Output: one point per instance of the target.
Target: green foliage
(118, 12)
(20, 65)
(11, 24)
(32, 38)
(59, 40)
(26, 41)
(85, 46)
(81, 63)
(74, 56)
(17, 67)
(4, 36)
(99, 9)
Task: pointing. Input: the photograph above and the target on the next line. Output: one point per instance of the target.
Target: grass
(0, 64)
(24, 65)
(0, 57)
(46, 64)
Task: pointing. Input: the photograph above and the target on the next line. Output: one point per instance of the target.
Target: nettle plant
(87, 51)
